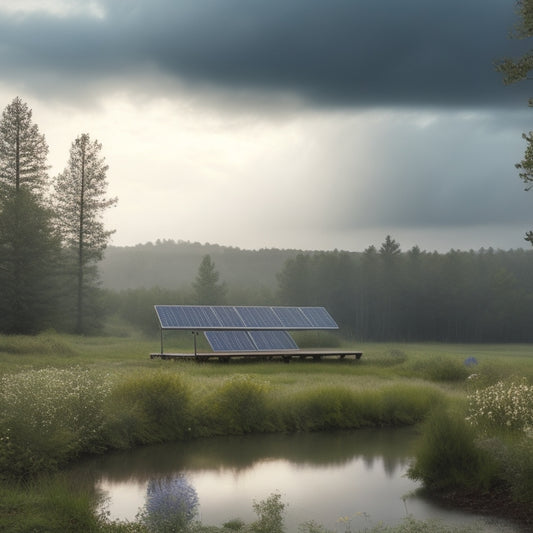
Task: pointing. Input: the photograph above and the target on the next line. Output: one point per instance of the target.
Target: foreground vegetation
(62, 397)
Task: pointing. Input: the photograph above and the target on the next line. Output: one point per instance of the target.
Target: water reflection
(321, 476)
(170, 503)
(241, 453)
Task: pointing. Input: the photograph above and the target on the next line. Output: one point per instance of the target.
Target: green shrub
(389, 358)
(518, 469)
(332, 407)
(407, 404)
(440, 369)
(148, 408)
(48, 416)
(238, 406)
(49, 505)
(270, 515)
(324, 408)
(448, 457)
(514, 458)
(235, 524)
(44, 343)
(506, 405)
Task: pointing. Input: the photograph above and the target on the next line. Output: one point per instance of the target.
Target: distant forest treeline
(170, 264)
(380, 294)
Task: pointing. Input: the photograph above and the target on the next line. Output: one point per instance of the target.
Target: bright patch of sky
(55, 8)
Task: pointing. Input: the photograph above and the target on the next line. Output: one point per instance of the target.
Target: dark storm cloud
(456, 171)
(329, 52)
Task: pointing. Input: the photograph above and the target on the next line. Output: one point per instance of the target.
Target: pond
(341, 478)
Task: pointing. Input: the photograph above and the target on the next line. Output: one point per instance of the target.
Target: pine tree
(23, 152)
(29, 250)
(516, 70)
(206, 286)
(29, 266)
(80, 201)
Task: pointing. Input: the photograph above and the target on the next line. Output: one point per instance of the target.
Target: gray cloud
(331, 53)
(412, 128)
(454, 171)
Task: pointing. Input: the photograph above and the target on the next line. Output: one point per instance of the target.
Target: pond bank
(496, 503)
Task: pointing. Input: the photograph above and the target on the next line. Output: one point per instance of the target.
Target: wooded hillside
(171, 265)
(379, 294)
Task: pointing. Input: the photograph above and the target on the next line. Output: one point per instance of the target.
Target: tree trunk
(79, 321)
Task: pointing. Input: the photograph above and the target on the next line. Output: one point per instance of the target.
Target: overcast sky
(310, 124)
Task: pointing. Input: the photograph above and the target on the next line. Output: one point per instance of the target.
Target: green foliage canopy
(515, 70)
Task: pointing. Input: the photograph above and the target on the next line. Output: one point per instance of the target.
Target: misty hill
(170, 264)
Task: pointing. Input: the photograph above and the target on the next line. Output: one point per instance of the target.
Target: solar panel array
(244, 328)
(225, 317)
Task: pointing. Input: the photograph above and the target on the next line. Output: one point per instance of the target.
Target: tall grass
(44, 344)
(51, 505)
(329, 407)
(237, 406)
(448, 457)
(439, 368)
(147, 408)
(51, 416)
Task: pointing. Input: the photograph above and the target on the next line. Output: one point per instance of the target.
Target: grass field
(65, 396)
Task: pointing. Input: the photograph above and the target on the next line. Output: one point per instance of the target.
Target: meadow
(64, 397)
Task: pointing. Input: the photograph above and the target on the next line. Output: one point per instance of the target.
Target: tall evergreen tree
(518, 69)
(206, 286)
(389, 253)
(80, 201)
(23, 152)
(28, 248)
(29, 265)
(295, 281)
(525, 168)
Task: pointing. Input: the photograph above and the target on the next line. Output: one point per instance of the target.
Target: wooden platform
(285, 355)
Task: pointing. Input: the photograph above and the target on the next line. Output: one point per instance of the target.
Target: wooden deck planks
(286, 355)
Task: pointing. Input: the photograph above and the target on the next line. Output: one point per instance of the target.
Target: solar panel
(273, 340)
(319, 318)
(292, 317)
(225, 317)
(228, 316)
(259, 317)
(230, 341)
(165, 316)
(250, 341)
(187, 317)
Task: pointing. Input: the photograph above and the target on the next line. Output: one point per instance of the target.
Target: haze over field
(304, 124)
